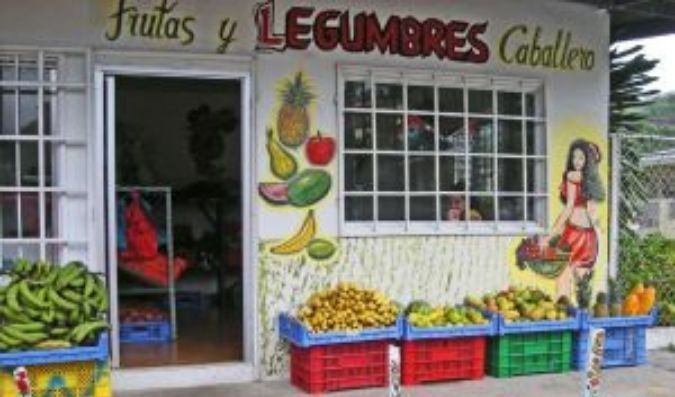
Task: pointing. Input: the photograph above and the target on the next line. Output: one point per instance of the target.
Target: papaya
(647, 300)
(631, 305)
(308, 187)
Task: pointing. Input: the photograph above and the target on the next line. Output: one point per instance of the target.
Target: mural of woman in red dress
(581, 189)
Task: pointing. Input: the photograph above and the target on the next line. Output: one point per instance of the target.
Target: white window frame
(65, 139)
(442, 79)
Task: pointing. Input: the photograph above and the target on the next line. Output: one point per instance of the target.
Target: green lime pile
(421, 314)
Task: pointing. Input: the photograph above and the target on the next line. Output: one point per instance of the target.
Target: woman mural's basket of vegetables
(549, 261)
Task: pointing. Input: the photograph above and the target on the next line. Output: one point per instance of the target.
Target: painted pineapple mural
(293, 117)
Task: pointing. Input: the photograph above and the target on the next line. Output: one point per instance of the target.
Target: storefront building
(407, 147)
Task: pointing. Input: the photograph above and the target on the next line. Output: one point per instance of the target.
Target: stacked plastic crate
(338, 360)
(444, 353)
(532, 347)
(625, 339)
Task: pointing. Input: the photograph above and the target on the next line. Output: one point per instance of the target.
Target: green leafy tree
(629, 78)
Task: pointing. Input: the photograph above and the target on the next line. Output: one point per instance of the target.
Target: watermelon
(275, 193)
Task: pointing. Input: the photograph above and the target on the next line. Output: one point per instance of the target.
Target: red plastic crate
(320, 369)
(433, 360)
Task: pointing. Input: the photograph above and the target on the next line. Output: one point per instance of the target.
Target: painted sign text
(365, 32)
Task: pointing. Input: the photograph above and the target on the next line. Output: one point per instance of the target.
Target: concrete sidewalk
(654, 380)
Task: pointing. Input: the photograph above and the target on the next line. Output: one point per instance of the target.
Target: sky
(662, 48)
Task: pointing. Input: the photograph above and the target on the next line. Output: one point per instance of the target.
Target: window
(426, 153)
(42, 154)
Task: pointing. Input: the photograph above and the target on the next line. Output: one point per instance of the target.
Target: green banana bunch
(45, 306)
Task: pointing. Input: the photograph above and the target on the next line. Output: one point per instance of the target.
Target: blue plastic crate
(98, 352)
(624, 346)
(410, 332)
(625, 339)
(588, 321)
(295, 332)
(145, 332)
(572, 323)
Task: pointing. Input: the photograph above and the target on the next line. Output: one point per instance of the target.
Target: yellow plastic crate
(74, 379)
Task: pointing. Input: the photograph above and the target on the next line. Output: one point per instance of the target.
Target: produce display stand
(82, 371)
(170, 289)
(532, 347)
(338, 360)
(444, 353)
(625, 339)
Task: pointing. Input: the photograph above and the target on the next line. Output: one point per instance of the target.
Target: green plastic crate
(530, 353)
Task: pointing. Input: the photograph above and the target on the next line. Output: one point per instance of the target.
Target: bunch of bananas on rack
(45, 306)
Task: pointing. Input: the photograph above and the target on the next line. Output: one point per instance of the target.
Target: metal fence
(643, 212)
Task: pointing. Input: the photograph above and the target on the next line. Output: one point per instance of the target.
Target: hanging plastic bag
(141, 235)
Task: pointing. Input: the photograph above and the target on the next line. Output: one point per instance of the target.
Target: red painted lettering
(295, 30)
(326, 37)
(480, 51)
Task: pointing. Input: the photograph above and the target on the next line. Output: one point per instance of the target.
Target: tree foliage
(629, 78)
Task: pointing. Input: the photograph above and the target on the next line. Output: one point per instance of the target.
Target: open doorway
(178, 179)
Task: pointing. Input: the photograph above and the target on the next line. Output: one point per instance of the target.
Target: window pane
(389, 132)
(358, 208)
(7, 111)
(422, 173)
(358, 172)
(28, 112)
(482, 208)
(389, 96)
(536, 176)
(480, 101)
(536, 210)
(357, 94)
(481, 176)
(421, 98)
(534, 104)
(530, 104)
(511, 208)
(423, 208)
(51, 215)
(510, 103)
(8, 164)
(30, 215)
(480, 135)
(28, 70)
(7, 68)
(451, 173)
(451, 134)
(510, 175)
(358, 131)
(536, 138)
(8, 215)
(390, 173)
(453, 207)
(421, 133)
(49, 167)
(49, 109)
(11, 252)
(451, 100)
(391, 208)
(510, 137)
(29, 163)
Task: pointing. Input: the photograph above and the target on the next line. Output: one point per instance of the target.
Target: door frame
(153, 64)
